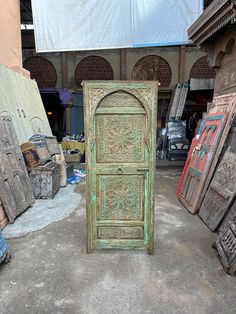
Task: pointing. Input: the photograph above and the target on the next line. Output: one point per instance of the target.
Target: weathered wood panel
(15, 189)
(220, 193)
(231, 214)
(226, 247)
(201, 159)
(3, 217)
(120, 129)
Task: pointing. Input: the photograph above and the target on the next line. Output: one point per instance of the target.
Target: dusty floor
(51, 273)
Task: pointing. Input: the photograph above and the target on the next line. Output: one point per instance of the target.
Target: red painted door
(201, 158)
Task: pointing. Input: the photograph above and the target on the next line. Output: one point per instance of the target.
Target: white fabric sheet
(70, 25)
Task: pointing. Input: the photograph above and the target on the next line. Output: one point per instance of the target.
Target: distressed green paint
(216, 117)
(120, 129)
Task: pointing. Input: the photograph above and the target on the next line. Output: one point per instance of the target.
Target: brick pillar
(123, 64)
(64, 69)
(182, 54)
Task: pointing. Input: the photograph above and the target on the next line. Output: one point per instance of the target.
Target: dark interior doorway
(55, 112)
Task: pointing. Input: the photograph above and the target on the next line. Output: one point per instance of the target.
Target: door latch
(140, 168)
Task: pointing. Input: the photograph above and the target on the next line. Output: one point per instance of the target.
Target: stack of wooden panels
(205, 152)
(209, 188)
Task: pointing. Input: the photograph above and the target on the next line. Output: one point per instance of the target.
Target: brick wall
(153, 68)
(42, 70)
(93, 68)
(201, 70)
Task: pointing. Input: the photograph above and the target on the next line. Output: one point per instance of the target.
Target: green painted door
(120, 126)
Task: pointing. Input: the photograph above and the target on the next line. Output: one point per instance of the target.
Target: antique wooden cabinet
(120, 124)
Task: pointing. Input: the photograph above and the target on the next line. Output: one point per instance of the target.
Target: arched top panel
(154, 68)
(120, 99)
(93, 68)
(42, 70)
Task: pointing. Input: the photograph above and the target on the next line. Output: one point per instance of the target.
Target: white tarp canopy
(65, 25)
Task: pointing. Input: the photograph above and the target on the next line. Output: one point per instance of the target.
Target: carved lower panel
(226, 247)
(220, 192)
(120, 232)
(120, 138)
(120, 197)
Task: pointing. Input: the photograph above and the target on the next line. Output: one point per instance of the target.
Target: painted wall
(10, 35)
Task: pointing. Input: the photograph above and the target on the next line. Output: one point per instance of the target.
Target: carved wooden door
(200, 162)
(120, 125)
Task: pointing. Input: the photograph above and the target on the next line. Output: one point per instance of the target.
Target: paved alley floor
(50, 271)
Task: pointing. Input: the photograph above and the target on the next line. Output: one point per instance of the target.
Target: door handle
(140, 168)
(119, 170)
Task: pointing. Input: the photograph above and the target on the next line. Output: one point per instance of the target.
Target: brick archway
(42, 70)
(153, 68)
(201, 69)
(93, 68)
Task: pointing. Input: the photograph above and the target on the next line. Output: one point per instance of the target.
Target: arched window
(42, 70)
(153, 68)
(93, 68)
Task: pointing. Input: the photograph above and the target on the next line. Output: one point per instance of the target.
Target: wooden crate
(45, 180)
(73, 157)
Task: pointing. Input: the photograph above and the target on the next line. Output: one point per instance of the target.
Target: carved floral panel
(120, 197)
(120, 138)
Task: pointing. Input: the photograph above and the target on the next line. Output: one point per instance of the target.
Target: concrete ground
(50, 271)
